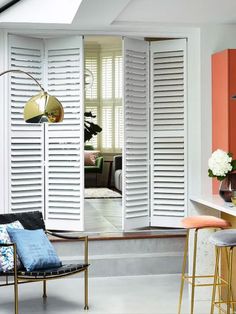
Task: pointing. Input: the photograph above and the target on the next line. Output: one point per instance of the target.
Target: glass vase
(227, 186)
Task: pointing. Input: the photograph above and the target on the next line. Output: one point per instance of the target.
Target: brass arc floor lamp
(41, 107)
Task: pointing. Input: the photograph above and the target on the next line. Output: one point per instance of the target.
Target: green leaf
(220, 178)
(233, 163)
(210, 173)
(230, 154)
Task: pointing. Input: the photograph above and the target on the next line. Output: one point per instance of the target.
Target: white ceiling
(105, 14)
(179, 11)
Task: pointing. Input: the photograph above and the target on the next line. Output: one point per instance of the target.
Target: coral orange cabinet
(223, 106)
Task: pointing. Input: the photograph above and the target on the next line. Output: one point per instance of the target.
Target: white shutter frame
(64, 160)
(168, 132)
(136, 135)
(26, 148)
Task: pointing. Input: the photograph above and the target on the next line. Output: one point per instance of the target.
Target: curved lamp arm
(41, 107)
(20, 71)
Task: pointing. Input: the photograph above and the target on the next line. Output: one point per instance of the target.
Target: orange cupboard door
(220, 104)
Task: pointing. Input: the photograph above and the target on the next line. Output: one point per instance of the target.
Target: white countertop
(216, 202)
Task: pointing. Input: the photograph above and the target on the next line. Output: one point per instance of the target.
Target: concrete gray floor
(114, 295)
(103, 215)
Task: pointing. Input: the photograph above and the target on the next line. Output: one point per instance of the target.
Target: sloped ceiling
(105, 14)
(179, 11)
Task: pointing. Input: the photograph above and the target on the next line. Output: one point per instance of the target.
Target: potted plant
(222, 166)
(90, 129)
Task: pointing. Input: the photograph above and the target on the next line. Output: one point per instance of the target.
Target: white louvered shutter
(64, 170)
(168, 132)
(136, 139)
(26, 149)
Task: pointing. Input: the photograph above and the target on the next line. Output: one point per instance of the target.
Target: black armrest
(64, 235)
(6, 244)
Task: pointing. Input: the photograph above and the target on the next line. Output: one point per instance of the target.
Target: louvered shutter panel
(168, 136)
(26, 186)
(64, 170)
(136, 139)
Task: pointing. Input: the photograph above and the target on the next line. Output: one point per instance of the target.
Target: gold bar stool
(196, 223)
(225, 239)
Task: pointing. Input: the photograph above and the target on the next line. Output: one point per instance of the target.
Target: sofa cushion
(34, 249)
(90, 157)
(118, 179)
(7, 253)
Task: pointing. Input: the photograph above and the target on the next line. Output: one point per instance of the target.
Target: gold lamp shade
(43, 108)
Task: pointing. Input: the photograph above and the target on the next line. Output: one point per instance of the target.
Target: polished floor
(114, 295)
(103, 215)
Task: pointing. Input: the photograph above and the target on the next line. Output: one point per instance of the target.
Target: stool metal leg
(229, 280)
(183, 272)
(217, 250)
(194, 270)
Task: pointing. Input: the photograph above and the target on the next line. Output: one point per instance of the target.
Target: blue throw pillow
(34, 249)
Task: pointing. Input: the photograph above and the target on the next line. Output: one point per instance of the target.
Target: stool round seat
(224, 238)
(204, 221)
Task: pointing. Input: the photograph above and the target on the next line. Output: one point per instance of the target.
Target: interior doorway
(103, 133)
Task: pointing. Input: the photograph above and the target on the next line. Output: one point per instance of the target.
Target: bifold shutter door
(136, 139)
(64, 170)
(168, 132)
(26, 149)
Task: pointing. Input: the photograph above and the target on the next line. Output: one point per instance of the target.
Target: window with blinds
(104, 99)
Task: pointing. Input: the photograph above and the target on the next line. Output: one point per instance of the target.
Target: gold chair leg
(218, 281)
(194, 271)
(183, 272)
(229, 280)
(45, 289)
(215, 280)
(86, 307)
(16, 301)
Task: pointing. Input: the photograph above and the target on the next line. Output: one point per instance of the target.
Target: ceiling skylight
(41, 11)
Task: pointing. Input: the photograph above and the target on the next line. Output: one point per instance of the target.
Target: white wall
(212, 39)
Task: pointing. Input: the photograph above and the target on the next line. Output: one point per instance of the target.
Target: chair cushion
(204, 221)
(90, 157)
(7, 253)
(224, 238)
(34, 249)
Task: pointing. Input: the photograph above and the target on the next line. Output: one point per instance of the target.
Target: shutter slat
(64, 165)
(26, 141)
(136, 149)
(168, 160)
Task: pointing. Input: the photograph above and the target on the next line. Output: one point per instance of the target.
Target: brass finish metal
(41, 107)
(183, 272)
(45, 289)
(215, 280)
(192, 279)
(229, 295)
(229, 280)
(21, 279)
(86, 307)
(15, 281)
(194, 270)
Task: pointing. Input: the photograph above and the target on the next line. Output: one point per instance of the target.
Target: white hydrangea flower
(220, 163)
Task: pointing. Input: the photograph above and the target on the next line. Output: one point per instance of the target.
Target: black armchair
(32, 221)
